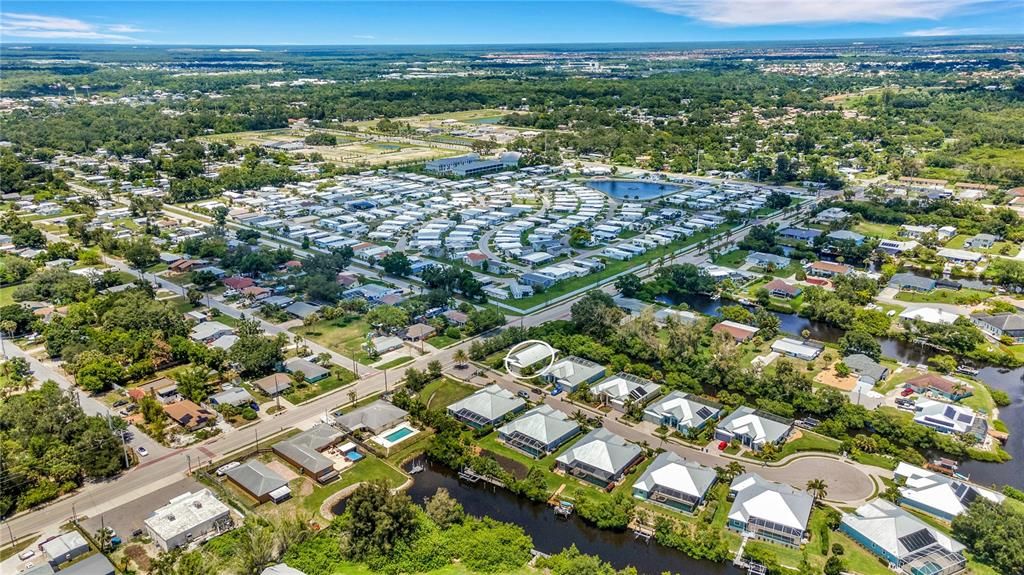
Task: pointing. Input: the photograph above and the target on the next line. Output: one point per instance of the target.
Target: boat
(415, 469)
(967, 370)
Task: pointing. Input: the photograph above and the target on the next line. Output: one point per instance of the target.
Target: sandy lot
(828, 377)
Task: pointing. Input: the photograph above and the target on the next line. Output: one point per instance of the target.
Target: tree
(99, 373)
(193, 383)
(842, 370)
(730, 471)
(396, 264)
(204, 279)
(460, 358)
(388, 317)
(856, 341)
(834, 566)
(377, 520)
(994, 533)
(255, 550)
(629, 285)
(256, 354)
(194, 296)
(140, 252)
(596, 315)
(579, 237)
(443, 509)
(818, 488)
(484, 319)
(298, 378)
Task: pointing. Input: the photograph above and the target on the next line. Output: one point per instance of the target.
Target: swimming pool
(398, 434)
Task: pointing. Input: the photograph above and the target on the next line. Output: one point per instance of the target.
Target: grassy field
(441, 341)
(981, 399)
(345, 336)
(367, 469)
(444, 391)
(395, 362)
(733, 259)
(998, 248)
(963, 296)
(884, 231)
(7, 294)
(810, 441)
(321, 387)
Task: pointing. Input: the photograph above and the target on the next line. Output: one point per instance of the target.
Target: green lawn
(441, 341)
(810, 441)
(444, 392)
(884, 231)
(345, 336)
(395, 362)
(733, 259)
(874, 459)
(367, 469)
(7, 294)
(998, 248)
(321, 387)
(981, 400)
(964, 296)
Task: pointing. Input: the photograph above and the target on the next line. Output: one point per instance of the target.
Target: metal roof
(673, 472)
(602, 449)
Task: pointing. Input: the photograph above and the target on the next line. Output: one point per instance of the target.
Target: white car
(142, 451)
(26, 554)
(227, 467)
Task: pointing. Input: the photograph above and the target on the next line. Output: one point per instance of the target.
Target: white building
(187, 518)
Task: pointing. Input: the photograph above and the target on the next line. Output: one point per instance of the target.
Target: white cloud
(943, 31)
(769, 12)
(364, 37)
(20, 25)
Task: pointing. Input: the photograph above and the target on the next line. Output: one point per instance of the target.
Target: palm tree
(818, 488)
(731, 471)
(352, 397)
(460, 357)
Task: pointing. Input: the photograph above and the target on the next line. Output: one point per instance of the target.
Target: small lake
(633, 189)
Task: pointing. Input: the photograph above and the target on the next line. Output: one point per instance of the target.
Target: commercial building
(769, 511)
(682, 412)
(487, 406)
(600, 457)
(188, 518)
(753, 428)
(674, 482)
(539, 431)
(905, 542)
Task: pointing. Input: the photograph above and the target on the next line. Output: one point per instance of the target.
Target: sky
(340, 22)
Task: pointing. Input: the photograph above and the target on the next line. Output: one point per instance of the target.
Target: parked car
(26, 554)
(120, 402)
(227, 467)
(523, 394)
(722, 445)
(142, 451)
(906, 391)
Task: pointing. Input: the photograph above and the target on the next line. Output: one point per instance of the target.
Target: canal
(551, 535)
(1009, 380)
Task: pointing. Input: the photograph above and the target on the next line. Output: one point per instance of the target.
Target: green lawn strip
(441, 341)
(443, 392)
(858, 559)
(411, 448)
(897, 380)
(810, 441)
(980, 400)
(613, 267)
(963, 296)
(23, 543)
(7, 294)
(367, 469)
(297, 396)
(395, 362)
(884, 231)
(733, 259)
(875, 459)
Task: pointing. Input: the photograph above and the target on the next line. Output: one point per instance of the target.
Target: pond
(633, 189)
(551, 535)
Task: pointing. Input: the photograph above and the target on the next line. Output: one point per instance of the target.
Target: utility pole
(188, 458)
(257, 431)
(10, 533)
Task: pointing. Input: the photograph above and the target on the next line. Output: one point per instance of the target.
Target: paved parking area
(129, 517)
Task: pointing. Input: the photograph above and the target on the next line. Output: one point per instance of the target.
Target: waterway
(551, 535)
(633, 189)
(1009, 380)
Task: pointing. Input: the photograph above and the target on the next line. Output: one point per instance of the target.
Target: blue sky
(239, 22)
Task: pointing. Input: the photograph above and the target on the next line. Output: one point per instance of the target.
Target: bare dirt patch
(829, 377)
(283, 470)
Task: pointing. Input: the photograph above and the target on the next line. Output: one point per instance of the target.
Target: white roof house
(600, 456)
(682, 411)
(902, 539)
(931, 315)
(753, 428)
(796, 348)
(939, 494)
(571, 372)
(186, 518)
(673, 481)
(770, 510)
(486, 406)
(623, 388)
(539, 430)
(530, 356)
(949, 418)
(959, 256)
(209, 331)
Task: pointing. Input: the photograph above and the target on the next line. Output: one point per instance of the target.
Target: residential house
(799, 234)
(831, 215)
(189, 415)
(895, 247)
(980, 242)
(65, 547)
(373, 418)
(910, 282)
(767, 261)
(385, 343)
(846, 236)
(236, 396)
(805, 350)
(950, 418)
(571, 372)
(932, 315)
(209, 331)
(948, 387)
(741, 332)
(674, 482)
(780, 289)
(624, 389)
(1001, 325)
(164, 390)
(529, 358)
(870, 371)
(95, 564)
(260, 482)
(600, 457)
(312, 372)
(769, 511)
(188, 518)
(902, 540)
(959, 257)
(539, 431)
(486, 406)
(274, 384)
(682, 412)
(753, 428)
(305, 451)
(238, 283)
(419, 332)
(938, 494)
(827, 270)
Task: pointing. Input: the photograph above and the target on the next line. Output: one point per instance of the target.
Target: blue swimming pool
(353, 456)
(398, 434)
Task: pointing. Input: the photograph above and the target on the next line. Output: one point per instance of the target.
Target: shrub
(249, 414)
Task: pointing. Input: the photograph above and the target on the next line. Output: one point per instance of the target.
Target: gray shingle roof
(375, 417)
(256, 478)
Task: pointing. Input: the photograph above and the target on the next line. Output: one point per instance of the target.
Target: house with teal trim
(539, 431)
(937, 494)
(769, 511)
(682, 412)
(909, 545)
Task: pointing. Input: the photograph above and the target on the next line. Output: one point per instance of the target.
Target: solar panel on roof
(965, 417)
(917, 540)
(704, 413)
